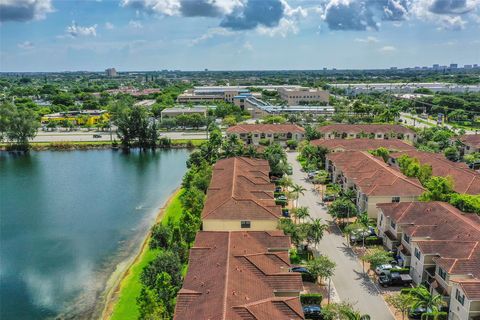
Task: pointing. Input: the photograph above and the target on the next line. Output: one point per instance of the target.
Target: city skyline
(45, 35)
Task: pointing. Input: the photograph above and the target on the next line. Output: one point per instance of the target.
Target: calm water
(66, 220)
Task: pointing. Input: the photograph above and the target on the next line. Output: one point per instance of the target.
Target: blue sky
(71, 35)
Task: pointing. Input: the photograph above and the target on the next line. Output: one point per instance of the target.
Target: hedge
(403, 270)
(283, 203)
(307, 277)
(435, 316)
(311, 298)
(373, 240)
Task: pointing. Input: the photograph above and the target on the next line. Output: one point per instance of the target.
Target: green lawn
(195, 142)
(126, 306)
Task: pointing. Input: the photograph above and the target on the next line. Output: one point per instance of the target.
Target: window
(245, 224)
(395, 199)
(417, 253)
(393, 224)
(256, 135)
(460, 297)
(406, 238)
(442, 273)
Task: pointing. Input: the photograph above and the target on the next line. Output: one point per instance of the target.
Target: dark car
(278, 189)
(299, 269)
(286, 213)
(313, 312)
(417, 313)
(394, 279)
(328, 198)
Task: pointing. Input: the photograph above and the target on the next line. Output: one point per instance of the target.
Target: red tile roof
(373, 176)
(472, 140)
(362, 144)
(266, 128)
(365, 128)
(236, 275)
(240, 188)
(471, 289)
(464, 179)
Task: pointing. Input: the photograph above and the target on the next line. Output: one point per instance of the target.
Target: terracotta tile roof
(373, 176)
(236, 275)
(266, 128)
(365, 128)
(472, 140)
(433, 220)
(465, 180)
(362, 144)
(471, 288)
(240, 188)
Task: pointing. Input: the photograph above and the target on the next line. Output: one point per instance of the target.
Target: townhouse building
(372, 179)
(464, 179)
(441, 245)
(370, 131)
(470, 143)
(278, 133)
(240, 275)
(361, 144)
(240, 197)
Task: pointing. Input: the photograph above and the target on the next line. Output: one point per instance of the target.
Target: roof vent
(208, 291)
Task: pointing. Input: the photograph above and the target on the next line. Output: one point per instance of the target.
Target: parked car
(359, 236)
(282, 198)
(299, 269)
(285, 213)
(313, 312)
(312, 174)
(97, 136)
(278, 189)
(328, 198)
(417, 313)
(394, 279)
(386, 268)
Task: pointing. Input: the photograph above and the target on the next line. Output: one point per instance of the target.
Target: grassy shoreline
(91, 145)
(121, 299)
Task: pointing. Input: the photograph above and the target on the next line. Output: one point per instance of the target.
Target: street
(349, 280)
(431, 123)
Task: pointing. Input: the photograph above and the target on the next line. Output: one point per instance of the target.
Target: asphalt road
(418, 124)
(349, 280)
(75, 136)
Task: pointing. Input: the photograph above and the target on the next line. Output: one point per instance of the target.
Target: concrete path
(349, 281)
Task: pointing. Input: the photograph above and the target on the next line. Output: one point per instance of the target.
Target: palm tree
(424, 299)
(297, 190)
(302, 213)
(315, 231)
(285, 182)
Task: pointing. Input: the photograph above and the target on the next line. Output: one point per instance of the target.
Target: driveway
(349, 280)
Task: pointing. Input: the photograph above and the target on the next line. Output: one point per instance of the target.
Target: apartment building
(441, 245)
(240, 197)
(371, 131)
(303, 95)
(340, 145)
(240, 275)
(279, 133)
(470, 143)
(372, 179)
(225, 93)
(464, 179)
(176, 111)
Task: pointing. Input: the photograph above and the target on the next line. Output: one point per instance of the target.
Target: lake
(67, 218)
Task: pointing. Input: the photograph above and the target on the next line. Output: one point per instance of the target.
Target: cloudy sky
(58, 35)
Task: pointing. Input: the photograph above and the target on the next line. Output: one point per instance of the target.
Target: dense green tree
(165, 261)
(466, 202)
(382, 152)
(17, 125)
(160, 236)
(342, 208)
(277, 158)
(315, 230)
(401, 302)
(321, 267)
(424, 299)
(376, 257)
(438, 189)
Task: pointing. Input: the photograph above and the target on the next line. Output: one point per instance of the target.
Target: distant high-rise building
(453, 65)
(393, 68)
(467, 66)
(436, 66)
(111, 72)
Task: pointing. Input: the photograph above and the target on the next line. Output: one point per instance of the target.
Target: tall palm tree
(297, 190)
(424, 299)
(315, 231)
(302, 213)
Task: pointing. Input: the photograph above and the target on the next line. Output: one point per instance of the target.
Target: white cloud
(211, 33)
(248, 46)
(284, 27)
(24, 10)
(135, 24)
(75, 30)
(109, 26)
(388, 49)
(26, 45)
(452, 23)
(368, 39)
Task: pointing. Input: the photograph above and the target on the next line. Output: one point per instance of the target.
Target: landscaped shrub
(311, 298)
(435, 316)
(373, 240)
(282, 203)
(403, 270)
(307, 277)
(405, 290)
(264, 142)
(292, 144)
